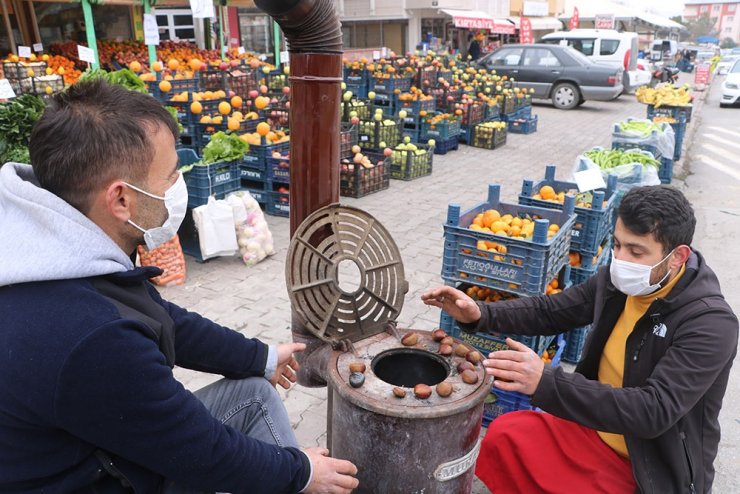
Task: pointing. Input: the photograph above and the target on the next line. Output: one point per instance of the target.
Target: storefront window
(256, 32)
(64, 21)
(432, 28)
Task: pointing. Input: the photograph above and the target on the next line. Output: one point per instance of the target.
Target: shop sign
(604, 21)
(525, 31)
(574, 19)
(535, 9)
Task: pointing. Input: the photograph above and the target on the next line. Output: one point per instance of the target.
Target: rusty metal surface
(328, 238)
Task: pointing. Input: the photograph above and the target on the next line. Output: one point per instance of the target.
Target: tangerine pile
(547, 193)
(491, 221)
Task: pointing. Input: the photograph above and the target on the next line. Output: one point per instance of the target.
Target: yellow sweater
(611, 366)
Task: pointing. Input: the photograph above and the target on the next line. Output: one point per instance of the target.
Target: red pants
(532, 452)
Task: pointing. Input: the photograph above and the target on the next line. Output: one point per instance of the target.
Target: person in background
(640, 412)
(473, 48)
(88, 399)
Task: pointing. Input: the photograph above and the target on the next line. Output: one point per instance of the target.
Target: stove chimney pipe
(314, 36)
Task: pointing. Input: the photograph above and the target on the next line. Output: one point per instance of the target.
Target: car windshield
(578, 56)
(735, 68)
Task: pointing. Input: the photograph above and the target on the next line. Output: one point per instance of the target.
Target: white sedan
(731, 86)
(723, 66)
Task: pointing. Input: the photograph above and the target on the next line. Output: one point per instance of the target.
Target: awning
(539, 23)
(475, 19)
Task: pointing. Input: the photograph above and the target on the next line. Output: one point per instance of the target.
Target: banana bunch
(664, 95)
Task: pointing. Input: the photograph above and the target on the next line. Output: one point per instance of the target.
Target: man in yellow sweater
(640, 412)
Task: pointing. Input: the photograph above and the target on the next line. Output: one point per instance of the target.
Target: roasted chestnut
(422, 391)
(444, 389)
(410, 339)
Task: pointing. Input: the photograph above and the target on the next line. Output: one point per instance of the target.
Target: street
(254, 300)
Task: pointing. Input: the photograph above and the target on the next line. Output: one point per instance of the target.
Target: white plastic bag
(628, 175)
(253, 235)
(215, 224)
(662, 140)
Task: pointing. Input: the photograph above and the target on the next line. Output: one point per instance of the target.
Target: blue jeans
(251, 406)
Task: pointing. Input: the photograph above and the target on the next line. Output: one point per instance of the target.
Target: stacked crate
(590, 246)
(265, 172)
(649, 143)
(443, 128)
(414, 107)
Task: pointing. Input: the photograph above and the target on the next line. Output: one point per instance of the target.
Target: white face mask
(633, 279)
(176, 201)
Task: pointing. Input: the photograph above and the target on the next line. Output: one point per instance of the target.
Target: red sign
(604, 21)
(484, 23)
(702, 74)
(574, 20)
(525, 31)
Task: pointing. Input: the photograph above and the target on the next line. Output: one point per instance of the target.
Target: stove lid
(344, 274)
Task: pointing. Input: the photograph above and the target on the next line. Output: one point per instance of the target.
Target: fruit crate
(385, 103)
(665, 173)
(524, 125)
(443, 130)
(445, 97)
(408, 165)
(276, 80)
(670, 111)
(258, 188)
(257, 155)
(412, 132)
(679, 129)
(425, 77)
(186, 116)
(348, 137)
(508, 104)
(356, 76)
(357, 181)
(414, 107)
(472, 113)
(216, 179)
(575, 341)
(620, 140)
(277, 116)
(203, 131)
(444, 75)
(19, 70)
(247, 172)
(359, 90)
(242, 81)
(521, 266)
(593, 224)
(278, 169)
(373, 133)
(499, 402)
(362, 110)
(492, 342)
(523, 103)
(444, 147)
(178, 86)
(488, 137)
(213, 80)
(580, 273)
(278, 203)
(493, 112)
(388, 85)
(38, 85)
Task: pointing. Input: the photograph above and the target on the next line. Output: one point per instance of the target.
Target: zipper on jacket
(655, 319)
(692, 489)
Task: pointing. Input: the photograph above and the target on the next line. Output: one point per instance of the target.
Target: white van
(663, 50)
(608, 47)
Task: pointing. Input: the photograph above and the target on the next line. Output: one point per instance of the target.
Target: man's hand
(519, 369)
(287, 365)
(330, 475)
(458, 305)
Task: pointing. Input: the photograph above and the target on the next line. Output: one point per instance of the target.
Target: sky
(667, 8)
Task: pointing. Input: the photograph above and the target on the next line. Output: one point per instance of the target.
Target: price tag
(376, 55)
(85, 54)
(284, 57)
(589, 180)
(151, 30)
(6, 90)
(24, 51)
(240, 50)
(364, 138)
(38, 47)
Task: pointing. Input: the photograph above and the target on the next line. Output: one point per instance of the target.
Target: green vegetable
(643, 128)
(124, 77)
(17, 118)
(224, 147)
(173, 111)
(610, 158)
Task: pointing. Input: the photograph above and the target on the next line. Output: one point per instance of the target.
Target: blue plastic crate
(278, 203)
(466, 134)
(357, 181)
(508, 104)
(499, 402)
(579, 274)
(493, 112)
(258, 188)
(216, 179)
(676, 112)
(679, 128)
(186, 157)
(414, 107)
(575, 341)
(390, 84)
(523, 125)
(178, 86)
(278, 169)
(257, 155)
(348, 138)
(593, 224)
(444, 147)
(407, 165)
(488, 137)
(636, 143)
(358, 90)
(525, 267)
(441, 131)
(665, 173)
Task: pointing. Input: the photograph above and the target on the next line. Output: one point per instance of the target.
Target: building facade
(725, 14)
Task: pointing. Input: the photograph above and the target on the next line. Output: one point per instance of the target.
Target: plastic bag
(628, 175)
(663, 140)
(167, 257)
(215, 224)
(253, 235)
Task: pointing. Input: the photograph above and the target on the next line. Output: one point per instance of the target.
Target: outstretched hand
(287, 365)
(519, 369)
(457, 304)
(330, 475)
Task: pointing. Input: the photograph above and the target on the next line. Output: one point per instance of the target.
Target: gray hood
(44, 238)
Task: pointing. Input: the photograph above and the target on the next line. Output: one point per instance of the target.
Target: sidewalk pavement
(254, 300)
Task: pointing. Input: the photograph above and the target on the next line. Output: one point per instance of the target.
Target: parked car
(607, 47)
(559, 73)
(663, 50)
(731, 86)
(723, 66)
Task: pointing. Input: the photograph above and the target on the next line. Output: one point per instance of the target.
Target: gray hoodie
(44, 238)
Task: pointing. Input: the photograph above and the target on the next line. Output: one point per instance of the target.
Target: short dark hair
(661, 210)
(92, 133)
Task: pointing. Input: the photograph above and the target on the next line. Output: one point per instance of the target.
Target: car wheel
(565, 96)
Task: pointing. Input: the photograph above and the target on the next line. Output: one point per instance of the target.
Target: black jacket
(674, 376)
